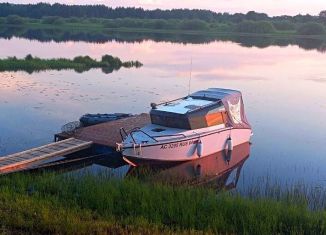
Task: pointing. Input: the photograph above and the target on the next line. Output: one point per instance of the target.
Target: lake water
(284, 90)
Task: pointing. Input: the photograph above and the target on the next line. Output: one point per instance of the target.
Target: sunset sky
(272, 7)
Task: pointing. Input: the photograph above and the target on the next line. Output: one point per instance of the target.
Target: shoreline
(96, 27)
(41, 203)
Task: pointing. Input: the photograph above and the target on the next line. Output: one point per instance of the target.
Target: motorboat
(192, 127)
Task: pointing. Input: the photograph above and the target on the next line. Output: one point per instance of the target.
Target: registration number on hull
(179, 144)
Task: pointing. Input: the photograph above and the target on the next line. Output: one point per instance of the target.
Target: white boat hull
(186, 148)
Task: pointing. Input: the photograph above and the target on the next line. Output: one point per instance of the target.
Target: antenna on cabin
(190, 75)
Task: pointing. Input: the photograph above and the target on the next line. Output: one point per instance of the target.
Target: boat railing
(170, 101)
(171, 135)
(124, 134)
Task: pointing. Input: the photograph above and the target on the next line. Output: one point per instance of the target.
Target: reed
(313, 196)
(80, 64)
(51, 203)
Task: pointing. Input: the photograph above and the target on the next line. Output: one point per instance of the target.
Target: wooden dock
(108, 133)
(101, 137)
(19, 160)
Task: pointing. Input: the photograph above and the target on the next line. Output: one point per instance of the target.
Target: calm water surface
(284, 90)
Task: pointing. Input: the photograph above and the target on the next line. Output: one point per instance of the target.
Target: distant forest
(175, 19)
(101, 11)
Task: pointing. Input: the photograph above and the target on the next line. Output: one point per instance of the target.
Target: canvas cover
(232, 101)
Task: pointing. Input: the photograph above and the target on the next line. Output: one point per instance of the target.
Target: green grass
(168, 26)
(49, 203)
(79, 64)
(100, 27)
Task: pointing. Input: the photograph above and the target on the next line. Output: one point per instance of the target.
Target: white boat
(192, 127)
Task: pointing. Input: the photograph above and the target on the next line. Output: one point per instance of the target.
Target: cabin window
(198, 118)
(213, 119)
(169, 121)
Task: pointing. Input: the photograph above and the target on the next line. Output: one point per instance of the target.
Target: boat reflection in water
(220, 170)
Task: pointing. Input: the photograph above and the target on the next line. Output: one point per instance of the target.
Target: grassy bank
(31, 64)
(246, 27)
(67, 204)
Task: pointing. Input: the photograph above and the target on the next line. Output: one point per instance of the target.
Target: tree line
(176, 19)
(247, 26)
(101, 11)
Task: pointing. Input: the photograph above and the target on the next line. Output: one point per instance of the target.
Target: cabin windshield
(189, 113)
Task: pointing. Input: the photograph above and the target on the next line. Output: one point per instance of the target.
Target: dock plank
(34, 149)
(56, 149)
(108, 133)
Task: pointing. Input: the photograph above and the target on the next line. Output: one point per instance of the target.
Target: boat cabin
(214, 106)
(189, 113)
